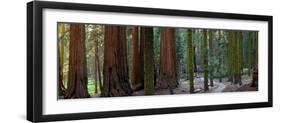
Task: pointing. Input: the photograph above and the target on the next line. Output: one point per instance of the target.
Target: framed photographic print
(94, 61)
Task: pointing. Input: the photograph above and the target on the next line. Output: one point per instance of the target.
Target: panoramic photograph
(103, 60)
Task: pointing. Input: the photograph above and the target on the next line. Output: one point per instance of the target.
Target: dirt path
(224, 86)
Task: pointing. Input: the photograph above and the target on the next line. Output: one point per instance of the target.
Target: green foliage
(91, 87)
(181, 37)
(218, 53)
(156, 45)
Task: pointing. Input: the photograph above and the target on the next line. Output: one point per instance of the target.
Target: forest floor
(224, 86)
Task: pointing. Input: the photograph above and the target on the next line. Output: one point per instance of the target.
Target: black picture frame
(35, 69)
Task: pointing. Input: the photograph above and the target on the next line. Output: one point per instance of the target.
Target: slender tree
(61, 87)
(236, 57)
(156, 48)
(194, 58)
(77, 82)
(230, 55)
(255, 69)
(116, 77)
(147, 37)
(257, 48)
(190, 58)
(99, 42)
(219, 41)
(241, 51)
(95, 69)
(167, 78)
(99, 74)
(205, 59)
(211, 62)
(250, 53)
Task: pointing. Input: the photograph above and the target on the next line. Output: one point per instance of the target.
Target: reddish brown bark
(141, 60)
(77, 82)
(137, 66)
(167, 78)
(116, 79)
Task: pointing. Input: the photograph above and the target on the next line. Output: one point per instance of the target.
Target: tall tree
(257, 48)
(236, 57)
(219, 42)
(95, 69)
(97, 31)
(147, 37)
(190, 60)
(156, 48)
(167, 78)
(137, 59)
(211, 57)
(205, 60)
(78, 79)
(230, 53)
(61, 87)
(255, 68)
(116, 77)
(250, 53)
(241, 51)
(98, 65)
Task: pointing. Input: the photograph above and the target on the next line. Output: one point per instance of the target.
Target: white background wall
(13, 61)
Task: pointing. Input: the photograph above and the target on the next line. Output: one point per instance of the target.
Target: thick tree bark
(136, 72)
(167, 78)
(147, 37)
(116, 78)
(205, 60)
(77, 85)
(190, 61)
(141, 63)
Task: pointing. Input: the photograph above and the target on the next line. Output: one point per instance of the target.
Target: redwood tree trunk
(77, 82)
(116, 78)
(167, 78)
(137, 59)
